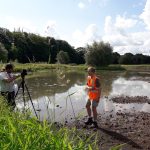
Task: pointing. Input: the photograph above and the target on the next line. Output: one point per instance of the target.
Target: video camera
(24, 73)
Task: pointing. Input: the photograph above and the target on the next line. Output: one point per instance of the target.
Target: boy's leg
(94, 110)
(88, 108)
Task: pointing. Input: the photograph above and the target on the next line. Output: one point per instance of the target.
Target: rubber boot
(94, 124)
(89, 121)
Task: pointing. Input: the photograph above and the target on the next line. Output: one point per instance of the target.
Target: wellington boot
(94, 124)
(89, 121)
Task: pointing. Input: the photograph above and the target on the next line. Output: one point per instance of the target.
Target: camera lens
(23, 73)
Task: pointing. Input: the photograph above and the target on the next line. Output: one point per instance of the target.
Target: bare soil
(130, 128)
(133, 99)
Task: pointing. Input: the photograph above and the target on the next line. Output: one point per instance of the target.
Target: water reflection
(106, 79)
(125, 87)
(50, 94)
(58, 106)
(48, 84)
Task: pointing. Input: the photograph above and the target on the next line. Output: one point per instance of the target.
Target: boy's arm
(98, 87)
(98, 84)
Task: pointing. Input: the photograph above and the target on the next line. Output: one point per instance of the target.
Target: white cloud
(12, 23)
(90, 34)
(108, 26)
(81, 5)
(116, 30)
(51, 29)
(84, 3)
(146, 14)
(122, 41)
(123, 23)
(119, 26)
(117, 34)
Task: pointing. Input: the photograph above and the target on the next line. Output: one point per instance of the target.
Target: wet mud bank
(128, 128)
(130, 99)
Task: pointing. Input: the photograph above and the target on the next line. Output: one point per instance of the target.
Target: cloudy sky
(125, 24)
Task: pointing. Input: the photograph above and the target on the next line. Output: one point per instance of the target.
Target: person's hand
(12, 78)
(16, 76)
(9, 79)
(97, 100)
(87, 88)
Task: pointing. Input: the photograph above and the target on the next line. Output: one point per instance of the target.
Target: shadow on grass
(120, 138)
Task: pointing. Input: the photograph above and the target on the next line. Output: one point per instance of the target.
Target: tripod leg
(18, 90)
(21, 85)
(31, 100)
(23, 95)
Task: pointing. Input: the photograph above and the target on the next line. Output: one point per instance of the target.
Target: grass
(117, 147)
(44, 66)
(112, 68)
(144, 67)
(20, 131)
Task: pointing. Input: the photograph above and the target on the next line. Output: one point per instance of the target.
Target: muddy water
(60, 96)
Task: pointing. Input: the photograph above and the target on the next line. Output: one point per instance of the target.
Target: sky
(125, 24)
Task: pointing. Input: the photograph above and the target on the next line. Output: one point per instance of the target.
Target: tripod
(24, 86)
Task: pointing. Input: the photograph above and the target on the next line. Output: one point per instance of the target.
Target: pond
(60, 95)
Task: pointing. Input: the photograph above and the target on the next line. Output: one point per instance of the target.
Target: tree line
(28, 47)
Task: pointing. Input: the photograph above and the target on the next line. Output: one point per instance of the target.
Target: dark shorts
(10, 97)
(94, 103)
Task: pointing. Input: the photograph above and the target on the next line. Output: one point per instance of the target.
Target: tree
(31, 47)
(80, 55)
(52, 50)
(3, 53)
(6, 38)
(115, 58)
(38, 48)
(138, 59)
(22, 47)
(66, 47)
(127, 58)
(63, 57)
(99, 54)
(146, 59)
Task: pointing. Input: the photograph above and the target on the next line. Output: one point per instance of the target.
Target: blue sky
(125, 24)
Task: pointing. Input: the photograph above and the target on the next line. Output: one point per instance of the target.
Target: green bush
(99, 54)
